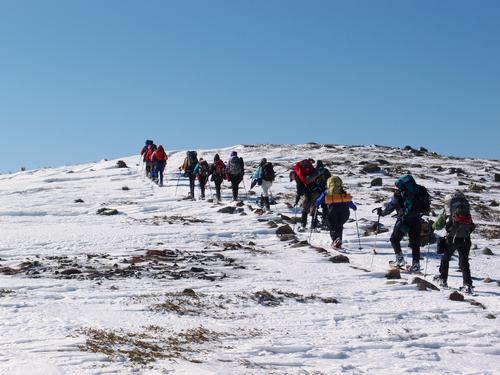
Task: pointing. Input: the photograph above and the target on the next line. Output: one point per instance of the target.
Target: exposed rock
(197, 269)
(423, 149)
(490, 316)
(393, 274)
(329, 300)
(125, 188)
(475, 188)
(227, 210)
(497, 177)
(456, 296)
(287, 237)
(382, 162)
(423, 284)
(71, 271)
(121, 164)
(487, 251)
(259, 211)
(456, 171)
(371, 168)
(300, 244)
(376, 182)
(189, 292)
(339, 259)
(107, 211)
(494, 203)
(488, 280)
(240, 204)
(78, 200)
(284, 229)
(272, 224)
(267, 299)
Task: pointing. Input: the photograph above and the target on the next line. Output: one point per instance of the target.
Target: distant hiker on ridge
(159, 159)
(218, 174)
(264, 176)
(201, 171)
(235, 172)
(188, 165)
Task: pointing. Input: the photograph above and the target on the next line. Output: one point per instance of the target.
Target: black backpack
(204, 168)
(235, 166)
(268, 172)
(460, 224)
(192, 157)
(422, 201)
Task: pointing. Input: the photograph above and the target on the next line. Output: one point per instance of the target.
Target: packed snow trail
(81, 293)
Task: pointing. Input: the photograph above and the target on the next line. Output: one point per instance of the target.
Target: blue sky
(86, 80)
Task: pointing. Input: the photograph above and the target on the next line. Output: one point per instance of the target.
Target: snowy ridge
(173, 286)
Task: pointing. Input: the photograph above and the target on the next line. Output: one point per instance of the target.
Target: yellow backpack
(335, 191)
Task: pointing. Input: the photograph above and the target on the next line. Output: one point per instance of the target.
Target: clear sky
(83, 80)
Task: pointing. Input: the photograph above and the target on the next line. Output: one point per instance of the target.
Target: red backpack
(306, 172)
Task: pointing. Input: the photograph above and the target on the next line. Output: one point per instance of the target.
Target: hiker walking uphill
(324, 175)
(457, 221)
(201, 171)
(410, 201)
(235, 172)
(264, 176)
(147, 158)
(218, 174)
(159, 159)
(188, 166)
(338, 203)
(144, 152)
(305, 176)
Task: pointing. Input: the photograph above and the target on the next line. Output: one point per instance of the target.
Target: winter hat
(319, 164)
(234, 153)
(216, 157)
(263, 161)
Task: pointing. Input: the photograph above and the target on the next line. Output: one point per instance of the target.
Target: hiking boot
(400, 260)
(337, 244)
(466, 288)
(415, 267)
(439, 280)
(301, 228)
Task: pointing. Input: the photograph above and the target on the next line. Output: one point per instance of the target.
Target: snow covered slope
(174, 286)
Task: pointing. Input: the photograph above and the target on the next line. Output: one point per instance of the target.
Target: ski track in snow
(375, 327)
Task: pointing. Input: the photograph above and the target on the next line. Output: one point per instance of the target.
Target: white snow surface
(377, 327)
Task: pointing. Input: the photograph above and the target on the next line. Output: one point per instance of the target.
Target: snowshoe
(438, 280)
(467, 289)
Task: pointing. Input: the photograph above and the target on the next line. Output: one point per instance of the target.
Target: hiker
(159, 159)
(201, 171)
(144, 151)
(305, 176)
(235, 172)
(149, 162)
(188, 165)
(338, 203)
(264, 176)
(324, 175)
(410, 201)
(457, 221)
(218, 174)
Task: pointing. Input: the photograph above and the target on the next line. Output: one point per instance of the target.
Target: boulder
(121, 164)
(487, 251)
(497, 177)
(371, 168)
(339, 259)
(71, 271)
(423, 284)
(376, 182)
(393, 274)
(455, 296)
(227, 210)
(284, 229)
(107, 211)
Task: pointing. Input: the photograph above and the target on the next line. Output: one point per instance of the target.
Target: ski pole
(295, 217)
(313, 220)
(177, 186)
(357, 229)
(428, 249)
(376, 238)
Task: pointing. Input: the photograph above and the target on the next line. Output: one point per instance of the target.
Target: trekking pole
(376, 239)
(177, 186)
(295, 217)
(357, 229)
(313, 219)
(428, 249)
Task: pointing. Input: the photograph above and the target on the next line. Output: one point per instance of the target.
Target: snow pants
(337, 217)
(463, 246)
(413, 228)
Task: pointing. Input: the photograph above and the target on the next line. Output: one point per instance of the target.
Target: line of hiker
(155, 159)
(317, 189)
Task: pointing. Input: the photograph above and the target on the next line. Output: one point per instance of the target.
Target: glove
(379, 211)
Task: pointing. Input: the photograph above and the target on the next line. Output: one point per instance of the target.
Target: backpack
(268, 172)
(422, 200)
(460, 224)
(219, 169)
(203, 169)
(192, 158)
(306, 172)
(235, 166)
(335, 191)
